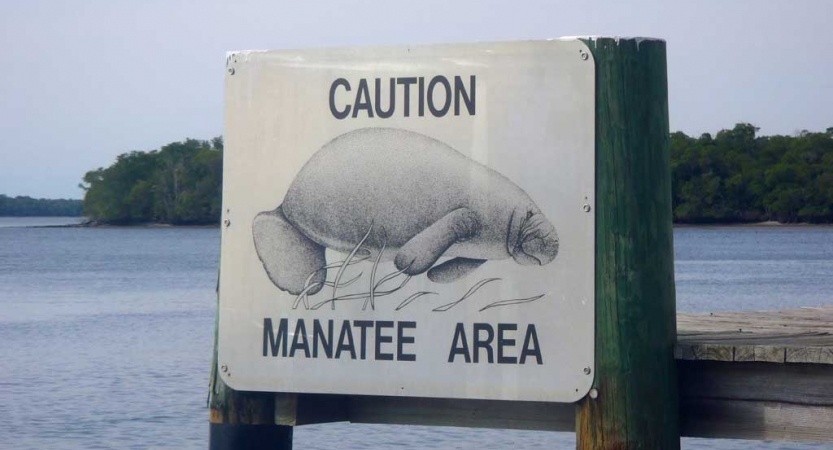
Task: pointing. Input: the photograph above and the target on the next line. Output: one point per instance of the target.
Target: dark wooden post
(635, 404)
(242, 420)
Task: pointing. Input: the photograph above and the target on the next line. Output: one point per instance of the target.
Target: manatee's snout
(532, 239)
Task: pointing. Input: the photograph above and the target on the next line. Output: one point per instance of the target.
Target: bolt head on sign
(410, 221)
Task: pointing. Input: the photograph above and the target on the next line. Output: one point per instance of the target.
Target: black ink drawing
(468, 294)
(382, 194)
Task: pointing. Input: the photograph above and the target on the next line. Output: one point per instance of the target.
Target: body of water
(17, 222)
(106, 334)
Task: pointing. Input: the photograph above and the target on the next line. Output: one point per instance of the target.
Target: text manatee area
(388, 340)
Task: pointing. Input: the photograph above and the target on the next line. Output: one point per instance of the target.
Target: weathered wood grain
(732, 419)
(757, 400)
(711, 352)
(286, 409)
(796, 336)
(719, 399)
(810, 355)
(463, 413)
(777, 384)
(242, 419)
(636, 380)
(801, 322)
(799, 384)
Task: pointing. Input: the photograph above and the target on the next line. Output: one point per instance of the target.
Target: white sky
(83, 81)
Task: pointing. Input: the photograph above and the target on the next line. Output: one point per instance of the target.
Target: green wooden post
(635, 404)
(242, 420)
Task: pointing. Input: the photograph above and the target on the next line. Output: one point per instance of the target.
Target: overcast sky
(83, 81)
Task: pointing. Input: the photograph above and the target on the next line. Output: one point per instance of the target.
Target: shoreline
(109, 226)
(768, 224)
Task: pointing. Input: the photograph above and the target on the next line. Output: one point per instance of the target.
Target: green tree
(178, 184)
(22, 206)
(738, 176)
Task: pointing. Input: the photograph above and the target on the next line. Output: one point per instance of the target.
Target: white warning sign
(411, 221)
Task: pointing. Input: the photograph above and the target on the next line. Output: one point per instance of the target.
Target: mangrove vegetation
(179, 184)
(22, 206)
(739, 177)
(734, 176)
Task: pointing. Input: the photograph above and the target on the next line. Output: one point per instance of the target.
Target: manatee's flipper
(423, 250)
(453, 269)
(288, 256)
(531, 239)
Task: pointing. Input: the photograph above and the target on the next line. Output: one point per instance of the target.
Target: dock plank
(757, 374)
(802, 335)
(729, 419)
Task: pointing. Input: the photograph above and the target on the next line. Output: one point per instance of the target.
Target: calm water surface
(106, 334)
(9, 222)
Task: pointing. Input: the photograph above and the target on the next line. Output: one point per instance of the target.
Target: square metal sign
(410, 221)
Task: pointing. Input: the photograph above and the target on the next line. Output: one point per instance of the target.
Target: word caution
(387, 97)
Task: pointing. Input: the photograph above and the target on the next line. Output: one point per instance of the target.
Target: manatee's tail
(288, 256)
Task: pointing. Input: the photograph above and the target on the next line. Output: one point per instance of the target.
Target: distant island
(179, 184)
(22, 206)
(738, 177)
(732, 177)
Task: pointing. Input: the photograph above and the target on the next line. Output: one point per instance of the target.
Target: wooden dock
(797, 336)
(757, 375)
(743, 375)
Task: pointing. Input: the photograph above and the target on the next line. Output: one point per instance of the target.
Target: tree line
(737, 176)
(732, 177)
(22, 206)
(179, 184)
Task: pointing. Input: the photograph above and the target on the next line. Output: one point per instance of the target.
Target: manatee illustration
(416, 198)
